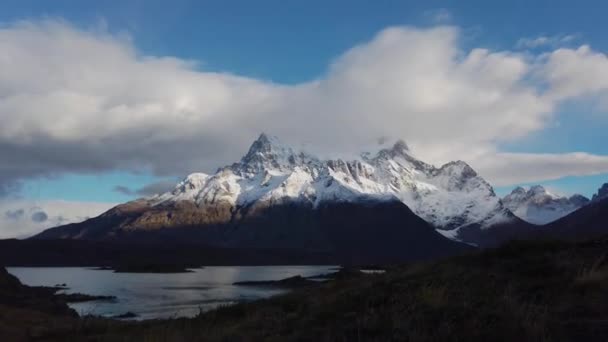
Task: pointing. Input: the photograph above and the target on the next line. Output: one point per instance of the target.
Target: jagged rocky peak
(384, 146)
(539, 206)
(264, 145)
(536, 192)
(265, 148)
(267, 152)
(539, 190)
(540, 195)
(400, 145)
(519, 192)
(579, 200)
(398, 149)
(460, 168)
(391, 150)
(457, 175)
(601, 194)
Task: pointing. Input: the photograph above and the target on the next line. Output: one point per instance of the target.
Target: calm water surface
(163, 295)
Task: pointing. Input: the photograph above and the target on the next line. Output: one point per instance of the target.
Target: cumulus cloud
(88, 101)
(575, 73)
(24, 218)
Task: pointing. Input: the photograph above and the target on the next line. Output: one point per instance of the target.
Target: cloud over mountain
(77, 100)
(148, 189)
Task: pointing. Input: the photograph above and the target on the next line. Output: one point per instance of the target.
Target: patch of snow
(450, 234)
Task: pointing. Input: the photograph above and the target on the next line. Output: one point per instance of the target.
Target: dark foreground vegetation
(524, 291)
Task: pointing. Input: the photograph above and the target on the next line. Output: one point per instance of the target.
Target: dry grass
(433, 295)
(595, 274)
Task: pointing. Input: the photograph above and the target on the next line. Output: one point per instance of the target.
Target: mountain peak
(267, 152)
(579, 200)
(459, 167)
(539, 206)
(538, 192)
(264, 144)
(400, 146)
(537, 189)
(602, 193)
(392, 150)
(518, 190)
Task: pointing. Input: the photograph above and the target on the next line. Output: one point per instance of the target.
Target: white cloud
(511, 168)
(151, 189)
(86, 101)
(545, 41)
(23, 218)
(574, 73)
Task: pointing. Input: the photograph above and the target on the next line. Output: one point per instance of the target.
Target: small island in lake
(149, 268)
(291, 282)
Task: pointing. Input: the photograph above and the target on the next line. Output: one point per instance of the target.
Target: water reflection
(163, 295)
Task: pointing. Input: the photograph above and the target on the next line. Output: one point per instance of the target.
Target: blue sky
(291, 42)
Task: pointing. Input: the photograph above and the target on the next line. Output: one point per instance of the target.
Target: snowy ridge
(270, 173)
(538, 206)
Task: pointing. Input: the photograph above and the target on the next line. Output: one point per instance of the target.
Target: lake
(163, 295)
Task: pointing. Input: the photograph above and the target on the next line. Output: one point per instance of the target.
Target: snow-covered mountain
(382, 205)
(539, 206)
(448, 197)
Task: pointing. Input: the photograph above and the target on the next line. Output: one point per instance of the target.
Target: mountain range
(539, 206)
(385, 205)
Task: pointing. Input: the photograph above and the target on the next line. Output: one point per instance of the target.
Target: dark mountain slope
(587, 222)
(497, 234)
(362, 232)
